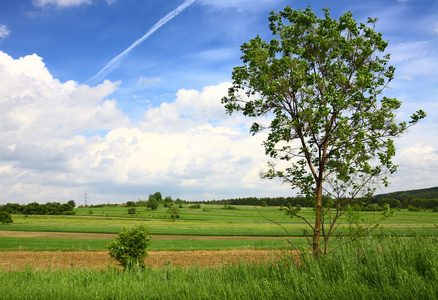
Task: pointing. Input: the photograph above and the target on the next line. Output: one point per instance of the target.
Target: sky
(119, 99)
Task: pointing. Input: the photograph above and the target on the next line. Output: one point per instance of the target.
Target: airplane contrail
(114, 63)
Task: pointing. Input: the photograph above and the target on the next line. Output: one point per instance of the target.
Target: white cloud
(51, 149)
(60, 140)
(4, 32)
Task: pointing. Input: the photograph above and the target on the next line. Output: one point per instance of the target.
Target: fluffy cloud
(62, 140)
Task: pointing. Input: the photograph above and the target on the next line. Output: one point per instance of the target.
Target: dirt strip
(19, 260)
(75, 235)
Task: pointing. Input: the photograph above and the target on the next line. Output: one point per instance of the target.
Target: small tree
(152, 203)
(319, 83)
(132, 210)
(5, 217)
(129, 247)
(174, 212)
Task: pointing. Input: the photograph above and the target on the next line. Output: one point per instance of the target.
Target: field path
(76, 235)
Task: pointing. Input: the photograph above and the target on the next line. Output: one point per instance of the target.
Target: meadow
(209, 220)
(372, 269)
(398, 262)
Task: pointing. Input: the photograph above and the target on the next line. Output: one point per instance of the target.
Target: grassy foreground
(404, 268)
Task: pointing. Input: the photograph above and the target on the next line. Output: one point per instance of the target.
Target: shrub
(131, 211)
(195, 206)
(264, 204)
(229, 207)
(5, 217)
(413, 208)
(129, 247)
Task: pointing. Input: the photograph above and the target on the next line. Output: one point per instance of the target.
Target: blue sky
(155, 122)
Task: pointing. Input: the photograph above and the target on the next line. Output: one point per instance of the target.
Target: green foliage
(50, 208)
(319, 81)
(5, 218)
(129, 247)
(152, 203)
(158, 196)
(263, 204)
(195, 206)
(130, 204)
(413, 208)
(229, 207)
(173, 212)
(131, 210)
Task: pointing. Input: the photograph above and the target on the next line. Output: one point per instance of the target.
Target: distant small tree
(132, 211)
(152, 203)
(264, 204)
(158, 196)
(72, 203)
(174, 213)
(5, 217)
(129, 247)
(298, 207)
(130, 204)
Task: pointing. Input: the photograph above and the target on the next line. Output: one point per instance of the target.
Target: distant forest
(50, 208)
(413, 200)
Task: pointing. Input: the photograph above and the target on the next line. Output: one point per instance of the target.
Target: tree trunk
(318, 220)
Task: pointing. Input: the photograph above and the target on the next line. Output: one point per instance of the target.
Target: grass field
(210, 220)
(372, 269)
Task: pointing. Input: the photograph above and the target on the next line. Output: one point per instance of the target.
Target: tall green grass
(372, 269)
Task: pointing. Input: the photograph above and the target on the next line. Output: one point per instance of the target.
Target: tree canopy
(319, 82)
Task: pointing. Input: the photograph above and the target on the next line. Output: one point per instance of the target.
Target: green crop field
(209, 220)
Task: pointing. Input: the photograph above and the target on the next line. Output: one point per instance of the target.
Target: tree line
(366, 204)
(34, 208)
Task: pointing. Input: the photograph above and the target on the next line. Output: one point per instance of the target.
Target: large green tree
(319, 83)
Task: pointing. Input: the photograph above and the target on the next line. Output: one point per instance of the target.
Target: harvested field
(19, 260)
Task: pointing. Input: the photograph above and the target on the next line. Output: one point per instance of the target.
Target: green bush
(129, 247)
(229, 207)
(195, 206)
(5, 217)
(264, 204)
(131, 210)
(413, 208)
(152, 203)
